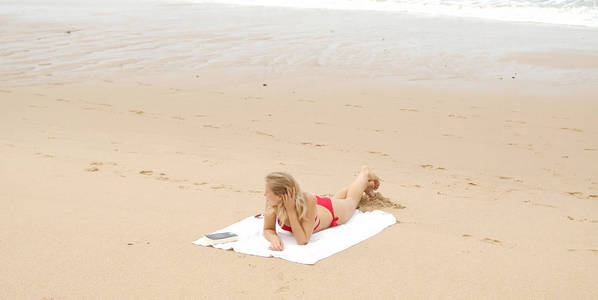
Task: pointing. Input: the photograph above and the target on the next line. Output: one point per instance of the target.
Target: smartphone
(220, 235)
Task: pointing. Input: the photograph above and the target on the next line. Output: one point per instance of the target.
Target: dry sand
(107, 178)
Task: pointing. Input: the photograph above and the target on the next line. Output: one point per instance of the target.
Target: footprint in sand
(538, 204)
(252, 98)
(263, 133)
(162, 177)
(582, 220)
(44, 155)
(94, 165)
(571, 129)
(210, 126)
(457, 116)
(432, 167)
(492, 241)
(138, 112)
(379, 153)
(210, 163)
(312, 144)
(514, 121)
(578, 195)
(376, 130)
(225, 187)
(409, 109)
(98, 104)
(353, 105)
(594, 251)
(99, 163)
(510, 178)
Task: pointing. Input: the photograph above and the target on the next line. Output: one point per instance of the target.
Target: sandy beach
(128, 131)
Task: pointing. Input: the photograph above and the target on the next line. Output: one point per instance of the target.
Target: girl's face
(271, 198)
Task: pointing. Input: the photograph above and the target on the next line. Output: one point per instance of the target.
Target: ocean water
(565, 12)
(74, 40)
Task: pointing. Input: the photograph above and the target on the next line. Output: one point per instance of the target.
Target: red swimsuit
(322, 201)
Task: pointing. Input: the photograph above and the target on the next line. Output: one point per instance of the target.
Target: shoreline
(452, 52)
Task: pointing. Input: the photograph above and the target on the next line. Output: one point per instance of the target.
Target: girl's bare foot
(373, 181)
(365, 169)
(369, 190)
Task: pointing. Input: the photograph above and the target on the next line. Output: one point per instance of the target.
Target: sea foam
(565, 12)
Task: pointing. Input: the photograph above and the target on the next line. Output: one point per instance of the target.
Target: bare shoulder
(309, 197)
(310, 201)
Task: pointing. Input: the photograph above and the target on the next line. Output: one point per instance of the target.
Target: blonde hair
(280, 183)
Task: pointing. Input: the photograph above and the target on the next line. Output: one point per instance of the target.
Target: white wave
(566, 12)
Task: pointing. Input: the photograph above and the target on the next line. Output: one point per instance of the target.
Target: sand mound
(377, 201)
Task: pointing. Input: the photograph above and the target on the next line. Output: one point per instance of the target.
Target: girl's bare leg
(344, 208)
(373, 184)
(358, 186)
(342, 194)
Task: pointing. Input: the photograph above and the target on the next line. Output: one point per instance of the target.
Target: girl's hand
(288, 200)
(276, 244)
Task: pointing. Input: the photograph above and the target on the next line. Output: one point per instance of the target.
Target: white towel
(321, 245)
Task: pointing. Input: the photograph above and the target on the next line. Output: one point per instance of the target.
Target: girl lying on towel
(303, 213)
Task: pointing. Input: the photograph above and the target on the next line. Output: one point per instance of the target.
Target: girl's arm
(303, 229)
(270, 231)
